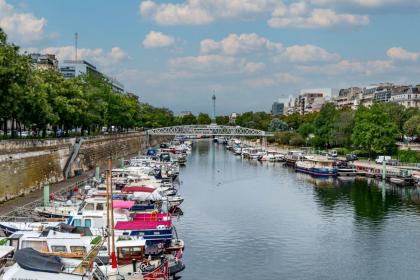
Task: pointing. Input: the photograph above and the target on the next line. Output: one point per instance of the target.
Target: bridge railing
(208, 130)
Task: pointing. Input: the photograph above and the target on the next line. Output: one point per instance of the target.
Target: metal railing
(27, 211)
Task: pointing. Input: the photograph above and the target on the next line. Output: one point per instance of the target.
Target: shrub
(409, 156)
(342, 151)
(296, 140)
(283, 138)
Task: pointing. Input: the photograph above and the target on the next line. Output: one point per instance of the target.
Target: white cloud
(244, 43)
(342, 67)
(370, 3)
(308, 53)
(197, 12)
(216, 64)
(299, 15)
(21, 27)
(402, 54)
(253, 67)
(204, 62)
(157, 40)
(276, 79)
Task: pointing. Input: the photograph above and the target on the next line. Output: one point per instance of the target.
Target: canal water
(247, 220)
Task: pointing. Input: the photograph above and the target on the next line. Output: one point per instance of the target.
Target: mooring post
(97, 173)
(46, 195)
(384, 170)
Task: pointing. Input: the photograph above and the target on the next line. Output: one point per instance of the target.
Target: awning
(122, 204)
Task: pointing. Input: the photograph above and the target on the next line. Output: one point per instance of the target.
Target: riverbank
(27, 165)
(363, 166)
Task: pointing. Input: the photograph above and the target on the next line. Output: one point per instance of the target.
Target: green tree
(373, 130)
(203, 119)
(412, 126)
(278, 125)
(306, 129)
(222, 120)
(188, 119)
(343, 127)
(15, 70)
(325, 122)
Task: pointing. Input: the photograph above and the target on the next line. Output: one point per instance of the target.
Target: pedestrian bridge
(208, 130)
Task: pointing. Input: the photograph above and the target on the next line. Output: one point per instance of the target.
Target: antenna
(214, 107)
(76, 37)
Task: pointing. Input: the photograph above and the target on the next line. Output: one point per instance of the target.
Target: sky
(177, 54)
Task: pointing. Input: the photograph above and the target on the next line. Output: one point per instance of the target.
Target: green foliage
(296, 140)
(257, 120)
(373, 130)
(222, 120)
(278, 125)
(40, 99)
(203, 119)
(306, 129)
(325, 124)
(412, 126)
(188, 119)
(409, 156)
(283, 138)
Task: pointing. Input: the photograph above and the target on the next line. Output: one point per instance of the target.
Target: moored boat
(317, 167)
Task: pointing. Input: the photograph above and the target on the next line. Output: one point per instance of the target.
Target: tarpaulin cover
(122, 204)
(132, 189)
(30, 259)
(142, 196)
(139, 225)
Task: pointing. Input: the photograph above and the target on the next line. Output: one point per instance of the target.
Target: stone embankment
(26, 165)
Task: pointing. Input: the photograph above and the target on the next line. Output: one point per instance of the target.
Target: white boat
(272, 157)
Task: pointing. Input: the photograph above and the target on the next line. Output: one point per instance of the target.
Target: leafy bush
(283, 138)
(342, 151)
(409, 156)
(296, 140)
(361, 153)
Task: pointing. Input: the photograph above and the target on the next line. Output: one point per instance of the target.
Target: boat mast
(113, 256)
(107, 209)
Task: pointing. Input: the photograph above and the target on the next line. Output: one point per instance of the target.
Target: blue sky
(249, 52)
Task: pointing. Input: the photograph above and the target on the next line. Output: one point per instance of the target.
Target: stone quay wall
(26, 165)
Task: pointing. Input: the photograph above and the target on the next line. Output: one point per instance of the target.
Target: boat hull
(321, 172)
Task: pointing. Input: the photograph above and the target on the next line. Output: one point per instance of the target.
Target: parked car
(332, 153)
(351, 157)
(381, 159)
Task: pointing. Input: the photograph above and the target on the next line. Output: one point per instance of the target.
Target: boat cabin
(127, 250)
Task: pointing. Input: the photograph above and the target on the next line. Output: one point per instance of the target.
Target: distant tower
(76, 38)
(214, 107)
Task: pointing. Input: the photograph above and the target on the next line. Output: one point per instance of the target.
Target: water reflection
(249, 220)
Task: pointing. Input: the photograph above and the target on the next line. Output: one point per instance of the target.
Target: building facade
(74, 68)
(348, 98)
(277, 109)
(44, 61)
(408, 97)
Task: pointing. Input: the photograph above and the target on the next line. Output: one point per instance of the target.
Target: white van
(381, 159)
